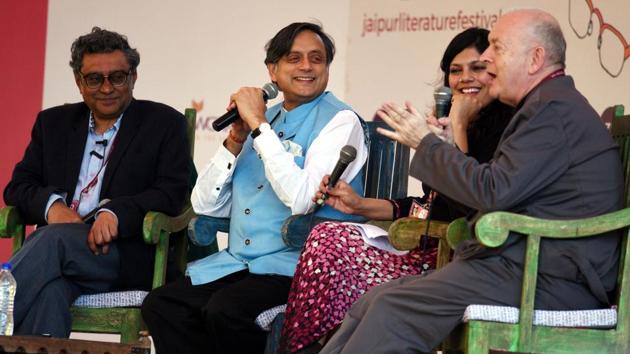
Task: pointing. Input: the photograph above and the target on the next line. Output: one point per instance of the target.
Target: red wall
(22, 46)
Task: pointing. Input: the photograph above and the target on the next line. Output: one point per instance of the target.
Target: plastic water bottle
(7, 294)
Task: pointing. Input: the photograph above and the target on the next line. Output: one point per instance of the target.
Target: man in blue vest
(268, 168)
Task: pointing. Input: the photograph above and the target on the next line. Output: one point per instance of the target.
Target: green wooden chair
(119, 312)
(486, 328)
(499, 329)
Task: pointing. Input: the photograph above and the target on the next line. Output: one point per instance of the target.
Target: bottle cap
(6, 266)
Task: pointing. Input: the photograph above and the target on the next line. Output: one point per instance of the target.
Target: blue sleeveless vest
(257, 214)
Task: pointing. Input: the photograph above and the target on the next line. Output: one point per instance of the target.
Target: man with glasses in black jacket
(88, 177)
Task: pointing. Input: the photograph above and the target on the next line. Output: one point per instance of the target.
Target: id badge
(420, 211)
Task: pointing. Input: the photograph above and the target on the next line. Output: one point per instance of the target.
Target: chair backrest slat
(387, 168)
(620, 131)
(191, 119)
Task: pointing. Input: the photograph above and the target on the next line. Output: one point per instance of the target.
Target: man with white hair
(548, 164)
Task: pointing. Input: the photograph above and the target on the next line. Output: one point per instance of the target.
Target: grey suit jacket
(555, 160)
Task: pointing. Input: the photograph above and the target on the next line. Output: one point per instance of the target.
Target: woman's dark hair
(474, 37)
(102, 41)
(282, 42)
(484, 133)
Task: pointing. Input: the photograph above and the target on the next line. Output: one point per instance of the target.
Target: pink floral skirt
(335, 268)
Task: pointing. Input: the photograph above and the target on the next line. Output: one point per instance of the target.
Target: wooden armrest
(493, 229)
(202, 230)
(11, 223)
(156, 223)
(12, 226)
(404, 233)
(156, 230)
(458, 232)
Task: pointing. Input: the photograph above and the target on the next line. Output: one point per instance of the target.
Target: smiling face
(467, 75)
(301, 74)
(106, 102)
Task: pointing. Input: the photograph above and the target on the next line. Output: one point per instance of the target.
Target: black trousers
(216, 317)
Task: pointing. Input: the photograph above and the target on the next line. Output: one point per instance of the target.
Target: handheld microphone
(442, 97)
(270, 91)
(90, 215)
(347, 154)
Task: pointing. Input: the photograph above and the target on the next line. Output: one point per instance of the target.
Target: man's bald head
(539, 28)
(525, 47)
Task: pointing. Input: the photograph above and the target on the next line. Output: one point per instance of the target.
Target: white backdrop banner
(395, 46)
(196, 53)
(192, 52)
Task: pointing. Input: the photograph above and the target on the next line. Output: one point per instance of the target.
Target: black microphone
(347, 154)
(442, 97)
(270, 91)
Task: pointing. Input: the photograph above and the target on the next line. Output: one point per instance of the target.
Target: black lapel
(128, 129)
(76, 139)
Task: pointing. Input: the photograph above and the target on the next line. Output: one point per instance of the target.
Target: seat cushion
(601, 318)
(131, 298)
(265, 318)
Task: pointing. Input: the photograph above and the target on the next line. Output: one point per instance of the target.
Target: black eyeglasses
(95, 80)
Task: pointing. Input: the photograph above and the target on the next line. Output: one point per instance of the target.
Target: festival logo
(406, 22)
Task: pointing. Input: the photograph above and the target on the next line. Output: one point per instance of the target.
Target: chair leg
(131, 326)
(273, 338)
(476, 340)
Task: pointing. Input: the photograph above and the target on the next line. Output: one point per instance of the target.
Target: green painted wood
(124, 321)
(492, 229)
(404, 233)
(131, 326)
(157, 229)
(458, 232)
(476, 341)
(499, 336)
(623, 295)
(156, 222)
(528, 293)
(12, 226)
(191, 123)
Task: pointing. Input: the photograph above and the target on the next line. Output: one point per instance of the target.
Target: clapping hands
(409, 127)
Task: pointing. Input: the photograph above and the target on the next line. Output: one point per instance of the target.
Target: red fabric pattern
(335, 268)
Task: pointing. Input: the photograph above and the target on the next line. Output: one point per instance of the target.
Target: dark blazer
(148, 170)
(555, 160)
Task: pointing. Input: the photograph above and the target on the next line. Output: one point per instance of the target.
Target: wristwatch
(264, 127)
